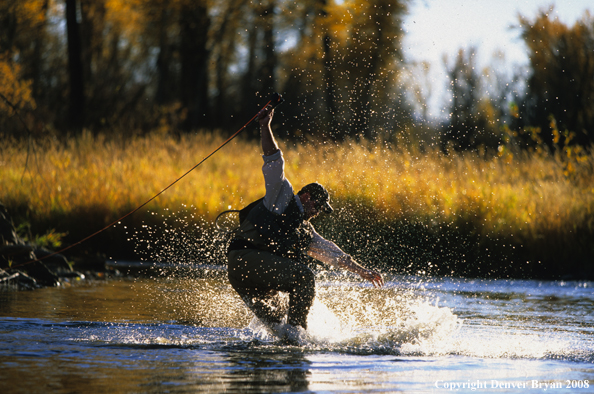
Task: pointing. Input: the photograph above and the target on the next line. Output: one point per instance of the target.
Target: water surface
(194, 335)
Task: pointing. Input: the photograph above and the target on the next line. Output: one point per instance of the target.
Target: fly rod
(275, 100)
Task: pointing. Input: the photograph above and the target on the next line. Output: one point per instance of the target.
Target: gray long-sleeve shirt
(279, 193)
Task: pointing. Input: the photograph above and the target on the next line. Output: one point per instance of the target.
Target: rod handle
(276, 99)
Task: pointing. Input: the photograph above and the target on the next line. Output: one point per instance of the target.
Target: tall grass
(522, 201)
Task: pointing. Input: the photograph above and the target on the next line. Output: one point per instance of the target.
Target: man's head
(315, 196)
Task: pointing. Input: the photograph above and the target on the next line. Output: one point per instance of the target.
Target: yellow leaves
(338, 21)
(514, 110)
(125, 15)
(34, 11)
(16, 91)
(29, 14)
(488, 112)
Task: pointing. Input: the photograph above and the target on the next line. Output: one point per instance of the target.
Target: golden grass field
(530, 199)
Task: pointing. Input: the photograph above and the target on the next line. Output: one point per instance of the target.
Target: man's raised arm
(269, 145)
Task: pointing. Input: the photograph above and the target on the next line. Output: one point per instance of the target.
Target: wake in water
(347, 318)
(416, 316)
(344, 316)
(182, 335)
(355, 319)
(362, 320)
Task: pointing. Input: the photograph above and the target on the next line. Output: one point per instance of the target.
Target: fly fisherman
(268, 251)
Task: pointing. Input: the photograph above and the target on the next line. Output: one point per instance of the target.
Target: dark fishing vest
(287, 234)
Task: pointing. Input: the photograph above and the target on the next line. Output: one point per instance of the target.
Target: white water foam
(502, 342)
(351, 319)
(418, 328)
(421, 329)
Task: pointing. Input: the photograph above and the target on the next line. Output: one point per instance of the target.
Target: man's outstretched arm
(269, 145)
(348, 263)
(328, 252)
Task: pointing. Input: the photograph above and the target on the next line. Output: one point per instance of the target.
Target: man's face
(310, 206)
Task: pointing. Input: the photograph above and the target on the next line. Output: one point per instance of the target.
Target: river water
(417, 334)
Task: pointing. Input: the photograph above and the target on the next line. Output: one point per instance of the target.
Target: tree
(22, 38)
(15, 95)
(372, 63)
(561, 85)
(473, 120)
(130, 64)
(75, 68)
(194, 55)
(345, 68)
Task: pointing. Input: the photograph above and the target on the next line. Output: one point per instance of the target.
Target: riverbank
(410, 211)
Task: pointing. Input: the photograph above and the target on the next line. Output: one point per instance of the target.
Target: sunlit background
(434, 29)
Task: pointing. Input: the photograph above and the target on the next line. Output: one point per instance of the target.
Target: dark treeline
(131, 66)
(551, 103)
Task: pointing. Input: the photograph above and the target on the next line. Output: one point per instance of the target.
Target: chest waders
(265, 258)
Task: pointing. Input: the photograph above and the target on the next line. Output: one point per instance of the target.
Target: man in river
(275, 237)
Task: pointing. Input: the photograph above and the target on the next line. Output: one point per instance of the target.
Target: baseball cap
(320, 195)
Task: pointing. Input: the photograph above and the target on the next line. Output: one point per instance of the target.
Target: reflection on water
(277, 370)
(208, 302)
(195, 335)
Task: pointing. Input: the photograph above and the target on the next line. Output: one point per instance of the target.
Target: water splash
(404, 318)
(182, 240)
(344, 315)
(354, 319)
(351, 318)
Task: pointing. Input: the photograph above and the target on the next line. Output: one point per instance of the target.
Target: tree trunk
(267, 73)
(225, 45)
(164, 94)
(194, 53)
(75, 69)
(38, 43)
(329, 68)
(249, 86)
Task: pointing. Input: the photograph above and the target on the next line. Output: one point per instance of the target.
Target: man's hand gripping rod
(276, 99)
